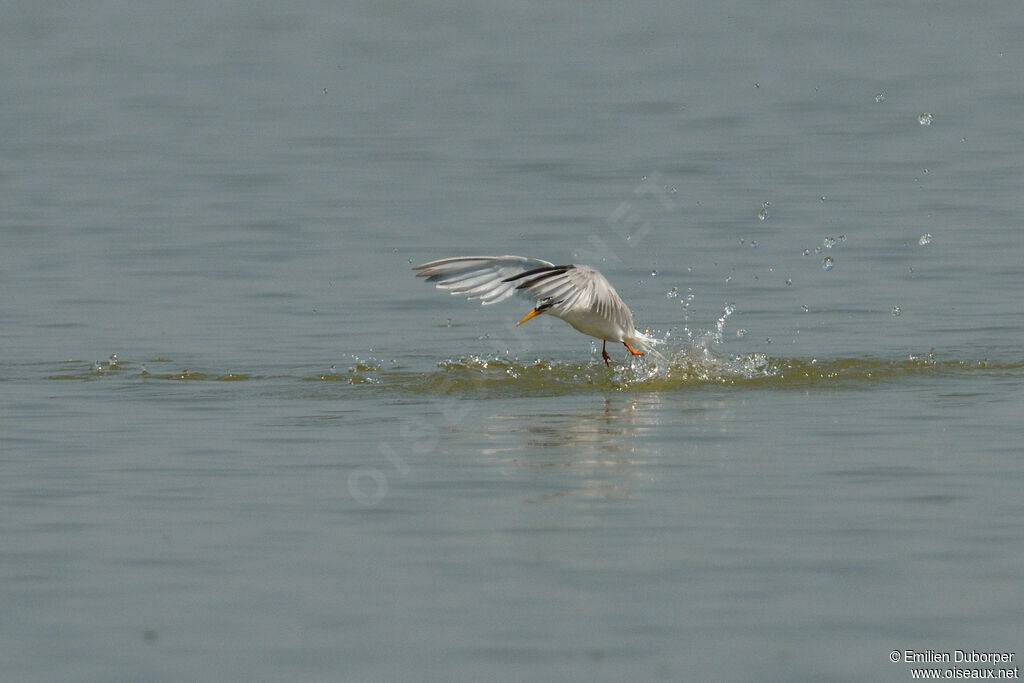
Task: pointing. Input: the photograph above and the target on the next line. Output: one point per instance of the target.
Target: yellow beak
(528, 316)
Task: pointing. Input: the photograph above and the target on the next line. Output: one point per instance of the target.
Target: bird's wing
(564, 290)
(487, 278)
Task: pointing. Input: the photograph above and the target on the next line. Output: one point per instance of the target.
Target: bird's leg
(604, 353)
(632, 350)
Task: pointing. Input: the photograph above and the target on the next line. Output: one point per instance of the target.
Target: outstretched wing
(488, 278)
(575, 293)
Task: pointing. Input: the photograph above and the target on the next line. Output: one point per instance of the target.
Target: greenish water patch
(509, 378)
(485, 377)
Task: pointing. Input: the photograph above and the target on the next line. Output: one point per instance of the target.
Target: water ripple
(679, 368)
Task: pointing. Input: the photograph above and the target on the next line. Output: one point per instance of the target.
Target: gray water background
(229, 196)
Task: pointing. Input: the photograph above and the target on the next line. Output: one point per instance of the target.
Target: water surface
(306, 464)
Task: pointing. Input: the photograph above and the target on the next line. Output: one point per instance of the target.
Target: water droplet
(728, 279)
(925, 119)
(325, 91)
(789, 281)
(880, 97)
(963, 139)
(672, 293)
(753, 244)
(729, 309)
(896, 311)
(807, 252)
(143, 371)
(762, 215)
(410, 261)
(829, 242)
(740, 333)
(822, 198)
(925, 239)
(654, 272)
(112, 361)
(97, 367)
(767, 340)
(805, 308)
(828, 263)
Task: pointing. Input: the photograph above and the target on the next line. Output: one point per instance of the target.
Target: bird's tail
(646, 343)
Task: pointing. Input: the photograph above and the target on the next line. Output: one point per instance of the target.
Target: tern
(579, 295)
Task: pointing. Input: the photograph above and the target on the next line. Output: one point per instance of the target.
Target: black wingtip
(543, 271)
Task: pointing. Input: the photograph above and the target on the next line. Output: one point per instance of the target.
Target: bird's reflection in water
(598, 446)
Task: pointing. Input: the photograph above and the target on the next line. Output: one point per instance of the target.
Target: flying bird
(579, 295)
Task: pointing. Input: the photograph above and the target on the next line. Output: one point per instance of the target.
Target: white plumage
(579, 295)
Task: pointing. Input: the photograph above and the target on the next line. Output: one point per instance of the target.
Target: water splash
(720, 325)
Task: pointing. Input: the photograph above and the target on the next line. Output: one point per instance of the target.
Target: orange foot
(632, 350)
